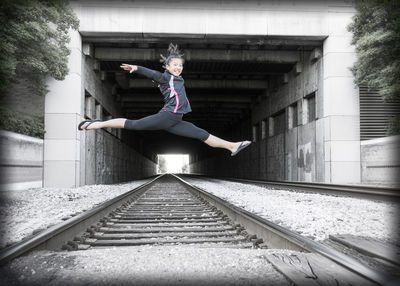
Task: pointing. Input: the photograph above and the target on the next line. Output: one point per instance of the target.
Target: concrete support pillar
(63, 110)
(341, 116)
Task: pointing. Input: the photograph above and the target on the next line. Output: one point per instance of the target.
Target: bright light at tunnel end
(173, 163)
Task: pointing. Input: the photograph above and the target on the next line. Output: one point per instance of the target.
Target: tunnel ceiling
(224, 76)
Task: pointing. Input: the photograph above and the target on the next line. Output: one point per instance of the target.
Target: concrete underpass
(274, 73)
(230, 82)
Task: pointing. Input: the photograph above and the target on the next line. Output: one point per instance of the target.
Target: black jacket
(172, 88)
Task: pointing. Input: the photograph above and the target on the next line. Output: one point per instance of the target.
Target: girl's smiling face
(175, 66)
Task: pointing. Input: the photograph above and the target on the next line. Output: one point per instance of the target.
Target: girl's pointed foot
(86, 123)
(242, 145)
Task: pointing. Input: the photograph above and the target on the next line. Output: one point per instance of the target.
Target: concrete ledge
(17, 149)
(380, 162)
(21, 186)
(21, 161)
(390, 139)
(19, 137)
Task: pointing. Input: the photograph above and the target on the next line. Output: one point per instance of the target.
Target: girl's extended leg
(161, 120)
(190, 130)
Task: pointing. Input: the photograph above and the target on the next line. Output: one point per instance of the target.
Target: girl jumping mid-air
(169, 118)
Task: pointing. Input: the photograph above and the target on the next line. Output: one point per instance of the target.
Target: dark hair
(173, 53)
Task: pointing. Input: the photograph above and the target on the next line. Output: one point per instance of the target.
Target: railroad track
(359, 191)
(166, 214)
(167, 210)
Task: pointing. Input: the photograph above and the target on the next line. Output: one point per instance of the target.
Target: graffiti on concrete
(305, 157)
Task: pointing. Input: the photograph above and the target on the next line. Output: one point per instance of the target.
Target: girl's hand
(130, 68)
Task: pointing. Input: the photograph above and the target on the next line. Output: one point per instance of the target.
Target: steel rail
(359, 191)
(55, 236)
(279, 237)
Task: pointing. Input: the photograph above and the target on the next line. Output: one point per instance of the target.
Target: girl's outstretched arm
(149, 73)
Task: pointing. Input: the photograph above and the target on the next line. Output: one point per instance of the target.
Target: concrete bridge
(275, 72)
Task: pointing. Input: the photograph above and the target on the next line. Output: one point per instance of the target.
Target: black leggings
(168, 121)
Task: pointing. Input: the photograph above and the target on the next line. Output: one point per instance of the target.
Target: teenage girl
(169, 118)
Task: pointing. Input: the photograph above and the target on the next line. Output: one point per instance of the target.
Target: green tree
(376, 36)
(33, 42)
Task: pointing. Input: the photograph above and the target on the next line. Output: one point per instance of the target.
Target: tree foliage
(394, 126)
(21, 123)
(33, 42)
(376, 36)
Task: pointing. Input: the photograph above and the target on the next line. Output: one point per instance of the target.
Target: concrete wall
(297, 153)
(63, 110)
(332, 141)
(299, 148)
(341, 110)
(109, 160)
(21, 161)
(71, 157)
(380, 163)
(286, 17)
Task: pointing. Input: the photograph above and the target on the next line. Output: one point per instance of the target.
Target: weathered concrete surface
(306, 152)
(381, 161)
(340, 105)
(276, 157)
(71, 157)
(109, 160)
(296, 153)
(21, 160)
(291, 160)
(63, 110)
(124, 54)
(105, 156)
(325, 148)
(305, 18)
(319, 151)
